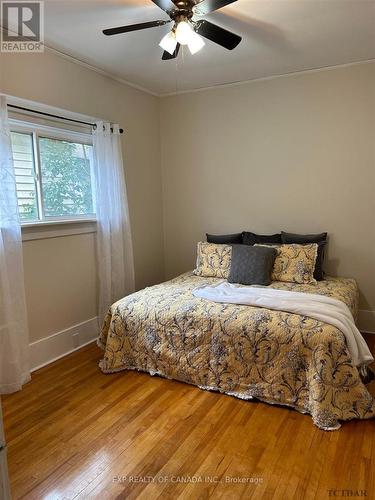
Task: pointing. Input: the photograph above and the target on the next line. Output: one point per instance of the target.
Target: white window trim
(58, 222)
(50, 132)
(54, 223)
(57, 229)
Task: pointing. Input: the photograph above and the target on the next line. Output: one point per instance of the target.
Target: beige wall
(50, 79)
(60, 283)
(295, 153)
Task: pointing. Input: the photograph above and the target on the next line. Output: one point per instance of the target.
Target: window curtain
(114, 242)
(14, 337)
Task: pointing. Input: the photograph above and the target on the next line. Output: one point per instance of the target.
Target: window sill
(56, 229)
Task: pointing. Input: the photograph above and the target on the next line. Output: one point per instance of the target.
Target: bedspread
(240, 350)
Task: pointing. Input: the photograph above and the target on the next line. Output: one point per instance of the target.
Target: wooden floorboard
(75, 433)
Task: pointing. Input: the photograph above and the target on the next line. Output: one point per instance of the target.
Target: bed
(244, 351)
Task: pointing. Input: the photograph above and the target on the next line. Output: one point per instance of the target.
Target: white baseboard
(44, 351)
(366, 321)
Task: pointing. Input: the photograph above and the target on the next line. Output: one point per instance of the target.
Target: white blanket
(319, 307)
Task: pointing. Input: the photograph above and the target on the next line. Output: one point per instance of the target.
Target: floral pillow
(213, 260)
(295, 263)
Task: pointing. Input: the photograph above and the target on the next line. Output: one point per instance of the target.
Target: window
(23, 158)
(53, 173)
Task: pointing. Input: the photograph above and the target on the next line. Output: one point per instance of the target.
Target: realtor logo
(22, 26)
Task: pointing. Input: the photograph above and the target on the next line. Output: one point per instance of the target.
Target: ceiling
(279, 36)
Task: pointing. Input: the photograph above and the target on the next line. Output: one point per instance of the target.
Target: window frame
(49, 132)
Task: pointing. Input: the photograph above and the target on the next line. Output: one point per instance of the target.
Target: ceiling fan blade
(166, 5)
(133, 27)
(207, 6)
(217, 34)
(167, 56)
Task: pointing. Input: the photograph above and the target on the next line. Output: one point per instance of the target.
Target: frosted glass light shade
(183, 32)
(195, 43)
(169, 42)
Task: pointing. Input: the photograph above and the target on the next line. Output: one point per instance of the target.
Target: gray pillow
(224, 239)
(251, 265)
(254, 239)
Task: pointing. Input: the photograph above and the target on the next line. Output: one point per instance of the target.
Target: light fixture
(169, 42)
(195, 43)
(183, 34)
(188, 26)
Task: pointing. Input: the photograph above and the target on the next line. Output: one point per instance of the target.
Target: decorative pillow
(253, 239)
(295, 263)
(213, 260)
(320, 239)
(251, 265)
(226, 239)
(301, 239)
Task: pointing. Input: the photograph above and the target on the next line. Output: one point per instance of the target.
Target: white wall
(60, 273)
(294, 153)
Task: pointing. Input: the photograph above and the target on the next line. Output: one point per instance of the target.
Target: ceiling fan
(187, 30)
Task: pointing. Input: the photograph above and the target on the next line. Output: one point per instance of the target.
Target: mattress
(244, 351)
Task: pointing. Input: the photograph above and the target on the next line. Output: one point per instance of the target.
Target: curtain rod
(57, 116)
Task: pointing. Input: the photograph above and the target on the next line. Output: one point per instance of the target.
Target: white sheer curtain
(14, 338)
(114, 242)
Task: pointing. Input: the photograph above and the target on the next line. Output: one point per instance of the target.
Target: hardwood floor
(76, 433)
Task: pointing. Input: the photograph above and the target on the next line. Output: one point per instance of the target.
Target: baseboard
(44, 351)
(366, 321)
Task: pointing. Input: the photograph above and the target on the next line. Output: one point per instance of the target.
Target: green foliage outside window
(65, 183)
(66, 178)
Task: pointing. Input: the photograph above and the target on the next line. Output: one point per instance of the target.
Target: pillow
(320, 239)
(295, 263)
(226, 239)
(251, 265)
(213, 260)
(253, 239)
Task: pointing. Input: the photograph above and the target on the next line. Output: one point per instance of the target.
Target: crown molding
(91, 67)
(209, 87)
(266, 78)
(99, 71)
(115, 78)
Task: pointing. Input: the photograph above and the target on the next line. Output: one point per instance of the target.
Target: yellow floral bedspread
(244, 351)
